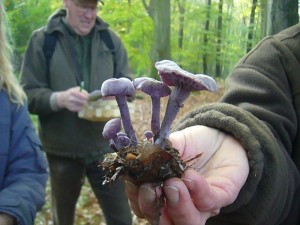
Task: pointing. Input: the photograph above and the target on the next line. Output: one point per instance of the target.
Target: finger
(204, 196)
(79, 93)
(78, 89)
(77, 100)
(165, 218)
(73, 104)
(132, 193)
(146, 201)
(80, 96)
(180, 205)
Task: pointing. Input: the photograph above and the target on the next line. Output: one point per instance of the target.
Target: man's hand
(213, 182)
(72, 99)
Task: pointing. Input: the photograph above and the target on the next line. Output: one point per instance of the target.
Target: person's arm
(42, 99)
(34, 78)
(23, 190)
(257, 111)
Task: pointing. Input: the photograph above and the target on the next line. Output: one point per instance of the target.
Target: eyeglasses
(83, 8)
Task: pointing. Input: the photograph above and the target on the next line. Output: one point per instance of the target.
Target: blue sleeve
(22, 190)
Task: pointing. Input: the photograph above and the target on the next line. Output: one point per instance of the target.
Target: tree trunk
(281, 15)
(251, 26)
(149, 8)
(181, 7)
(264, 17)
(205, 38)
(162, 43)
(219, 40)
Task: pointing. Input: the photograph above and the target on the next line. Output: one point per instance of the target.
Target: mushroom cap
(111, 128)
(151, 87)
(148, 134)
(117, 86)
(208, 81)
(124, 140)
(172, 75)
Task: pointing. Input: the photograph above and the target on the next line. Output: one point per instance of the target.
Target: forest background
(202, 36)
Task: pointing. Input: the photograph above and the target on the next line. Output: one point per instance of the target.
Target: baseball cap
(81, 1)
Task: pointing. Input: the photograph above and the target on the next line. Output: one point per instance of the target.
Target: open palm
(213, 182)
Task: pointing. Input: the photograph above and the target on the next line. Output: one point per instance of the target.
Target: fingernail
(172, 194)
(189, 183)
(148, 195)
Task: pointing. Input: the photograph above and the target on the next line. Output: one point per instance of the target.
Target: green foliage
(26, 16)
(135, 28)
(132, 22)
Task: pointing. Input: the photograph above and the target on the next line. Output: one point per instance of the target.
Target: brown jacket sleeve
(258, 108)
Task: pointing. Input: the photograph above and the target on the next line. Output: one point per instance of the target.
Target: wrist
(56, 101)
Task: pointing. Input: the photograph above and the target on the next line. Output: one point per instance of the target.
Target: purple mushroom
(110, 131)
(156, 89)
(121, 88)
(149, 135)
(184, 83)
(123, 139)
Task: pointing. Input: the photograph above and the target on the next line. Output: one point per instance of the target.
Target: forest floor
(87, 209)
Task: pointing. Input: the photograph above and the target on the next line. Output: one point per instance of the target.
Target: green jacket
(261, 108)
(62, 132)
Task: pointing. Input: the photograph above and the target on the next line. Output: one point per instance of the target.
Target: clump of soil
(146, 163)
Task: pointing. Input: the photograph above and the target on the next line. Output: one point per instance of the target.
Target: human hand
(6, 219)
(200, 193)
(73, 99)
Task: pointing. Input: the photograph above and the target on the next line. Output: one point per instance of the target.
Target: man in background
(74, 146)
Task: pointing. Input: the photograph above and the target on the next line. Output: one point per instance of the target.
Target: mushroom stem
(126, 119)
(184, 83)
(175, 102)
(155, 118)
(114, 145)
(156, 89)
